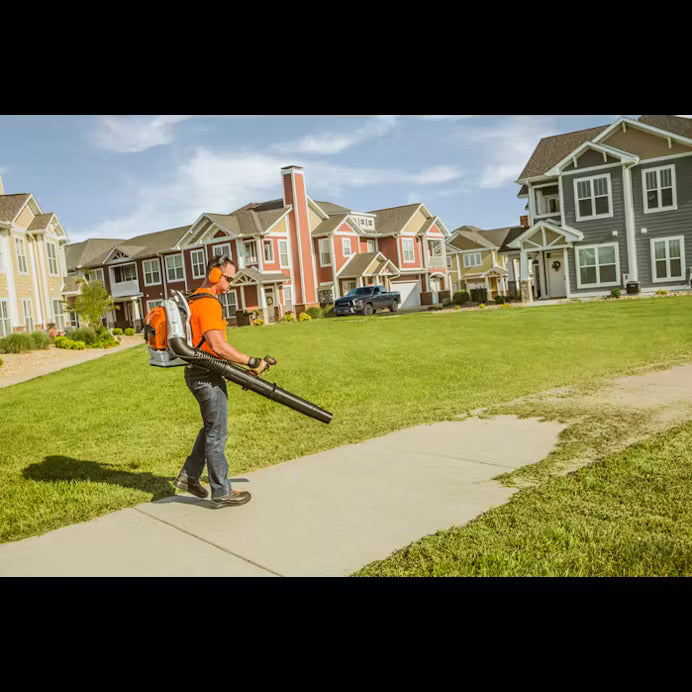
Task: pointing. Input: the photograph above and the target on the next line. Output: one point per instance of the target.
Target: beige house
(32, 265)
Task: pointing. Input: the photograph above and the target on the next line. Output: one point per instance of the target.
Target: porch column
(524, 279)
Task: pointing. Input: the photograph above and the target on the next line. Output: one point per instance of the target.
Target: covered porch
(542, 264)
(127, 312)
(261, 293)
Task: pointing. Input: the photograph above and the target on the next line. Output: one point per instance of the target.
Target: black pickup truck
(367, 300)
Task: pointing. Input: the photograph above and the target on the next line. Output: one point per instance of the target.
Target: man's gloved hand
(259, 365)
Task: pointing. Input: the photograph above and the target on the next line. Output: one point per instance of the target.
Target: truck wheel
(368, 309)
(394, 307)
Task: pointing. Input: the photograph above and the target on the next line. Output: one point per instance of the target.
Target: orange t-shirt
(206, 314)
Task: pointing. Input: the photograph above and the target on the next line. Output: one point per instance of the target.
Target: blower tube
(231, 372)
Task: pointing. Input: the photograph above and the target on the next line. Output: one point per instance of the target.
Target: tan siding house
(32, 266)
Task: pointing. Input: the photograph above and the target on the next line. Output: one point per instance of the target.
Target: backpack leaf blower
(168, 337)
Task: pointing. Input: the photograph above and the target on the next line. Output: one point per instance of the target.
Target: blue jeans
(210, 445)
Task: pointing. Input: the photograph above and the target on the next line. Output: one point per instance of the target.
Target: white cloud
(129, 134)
(221, 183)
(505, 146)
(330, 142)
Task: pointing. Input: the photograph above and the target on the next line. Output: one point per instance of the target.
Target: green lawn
(113, 432)
(627, 516)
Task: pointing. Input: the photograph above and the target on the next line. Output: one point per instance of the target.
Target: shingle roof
(392, 220)
(11, 204)
(550, 150)
(330, 208)
(671, 123)
(266, 277)
(358, 264)
(89, 253)
(151, 243)
(40, 221)
(329, 225)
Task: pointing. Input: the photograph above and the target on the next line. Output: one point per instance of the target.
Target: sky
(121, 176)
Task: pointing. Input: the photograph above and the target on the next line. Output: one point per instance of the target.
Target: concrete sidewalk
(326, 514)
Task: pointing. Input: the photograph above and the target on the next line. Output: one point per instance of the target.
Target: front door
(270, 300)
(555, 268)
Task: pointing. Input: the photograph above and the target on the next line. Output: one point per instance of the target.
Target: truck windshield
(364, 291)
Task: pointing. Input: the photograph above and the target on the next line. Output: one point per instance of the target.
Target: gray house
(609, 207)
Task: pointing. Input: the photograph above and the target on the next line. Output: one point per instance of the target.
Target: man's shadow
(61, 468)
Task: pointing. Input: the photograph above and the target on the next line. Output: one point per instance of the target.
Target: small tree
(93, 302)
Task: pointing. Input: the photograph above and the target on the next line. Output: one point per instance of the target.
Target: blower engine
(169, 340)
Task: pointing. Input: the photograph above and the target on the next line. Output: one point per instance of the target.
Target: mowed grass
(627, 516)
(113, 432)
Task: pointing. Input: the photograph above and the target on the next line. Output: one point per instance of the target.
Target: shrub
(661, 292)
(304, 317)
(500, 300)
(481, 306)
(40, 339)
(85, 334)
(129, 331)
(457, 307)
(63, 342)
(461, 297)
(77, 345)
(615, 293)
(0, 362)
(17, 343)
(315, 313)
(506, 305)
(328, 310)
(258, 322)
(288, 317)
(117, 331)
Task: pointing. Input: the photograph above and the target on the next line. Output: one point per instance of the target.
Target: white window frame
(471, 261)
(151, 304)
(434, 243)
(408, 249)
(322, 244)
(52, 259)
(98, 272)
(58, 314)
(194, 261)
(346, 243)
(287, 297)
(346, 285)
(577, 252)
(372, 245)
(224, 298)
(5, 321)
(20, 250)
(220, 250)
(28, 318)
(268, 245)
(148, 263)
(122, 266)
(284, 253)
(683, 269)
(658, 170)
(168, 268)
(250, 258)
(592, 197)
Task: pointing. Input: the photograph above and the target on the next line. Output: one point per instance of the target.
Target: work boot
(189, 486)
(235, 498)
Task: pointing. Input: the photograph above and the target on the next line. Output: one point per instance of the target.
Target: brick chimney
(2, 190)
(524, 220)
(293, 180)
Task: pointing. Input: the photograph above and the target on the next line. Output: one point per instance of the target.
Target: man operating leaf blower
(208, 328)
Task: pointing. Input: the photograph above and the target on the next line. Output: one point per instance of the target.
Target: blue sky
(120, 176)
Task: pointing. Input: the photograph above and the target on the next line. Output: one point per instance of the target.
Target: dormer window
(366, 222)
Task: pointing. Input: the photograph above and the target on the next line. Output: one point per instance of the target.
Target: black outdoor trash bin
(632, 288)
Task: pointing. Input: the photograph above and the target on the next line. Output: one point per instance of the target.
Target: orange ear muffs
(215, 275)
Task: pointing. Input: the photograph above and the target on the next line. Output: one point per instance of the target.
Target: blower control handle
(269, 360)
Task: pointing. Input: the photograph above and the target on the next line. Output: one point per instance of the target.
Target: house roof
(471, 238)
(89, 253)
(329, 225)
(10, 205)
(551, 150)
(358, 264)
(392, 220)
(330, 208)
(259, 277)
(40, 221)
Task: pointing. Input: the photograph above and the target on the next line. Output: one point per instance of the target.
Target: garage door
(410, 293)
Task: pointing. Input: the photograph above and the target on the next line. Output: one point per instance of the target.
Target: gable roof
(89, 253)
(392, 220)
(471, 238)
(551, 150)
(11, 205)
